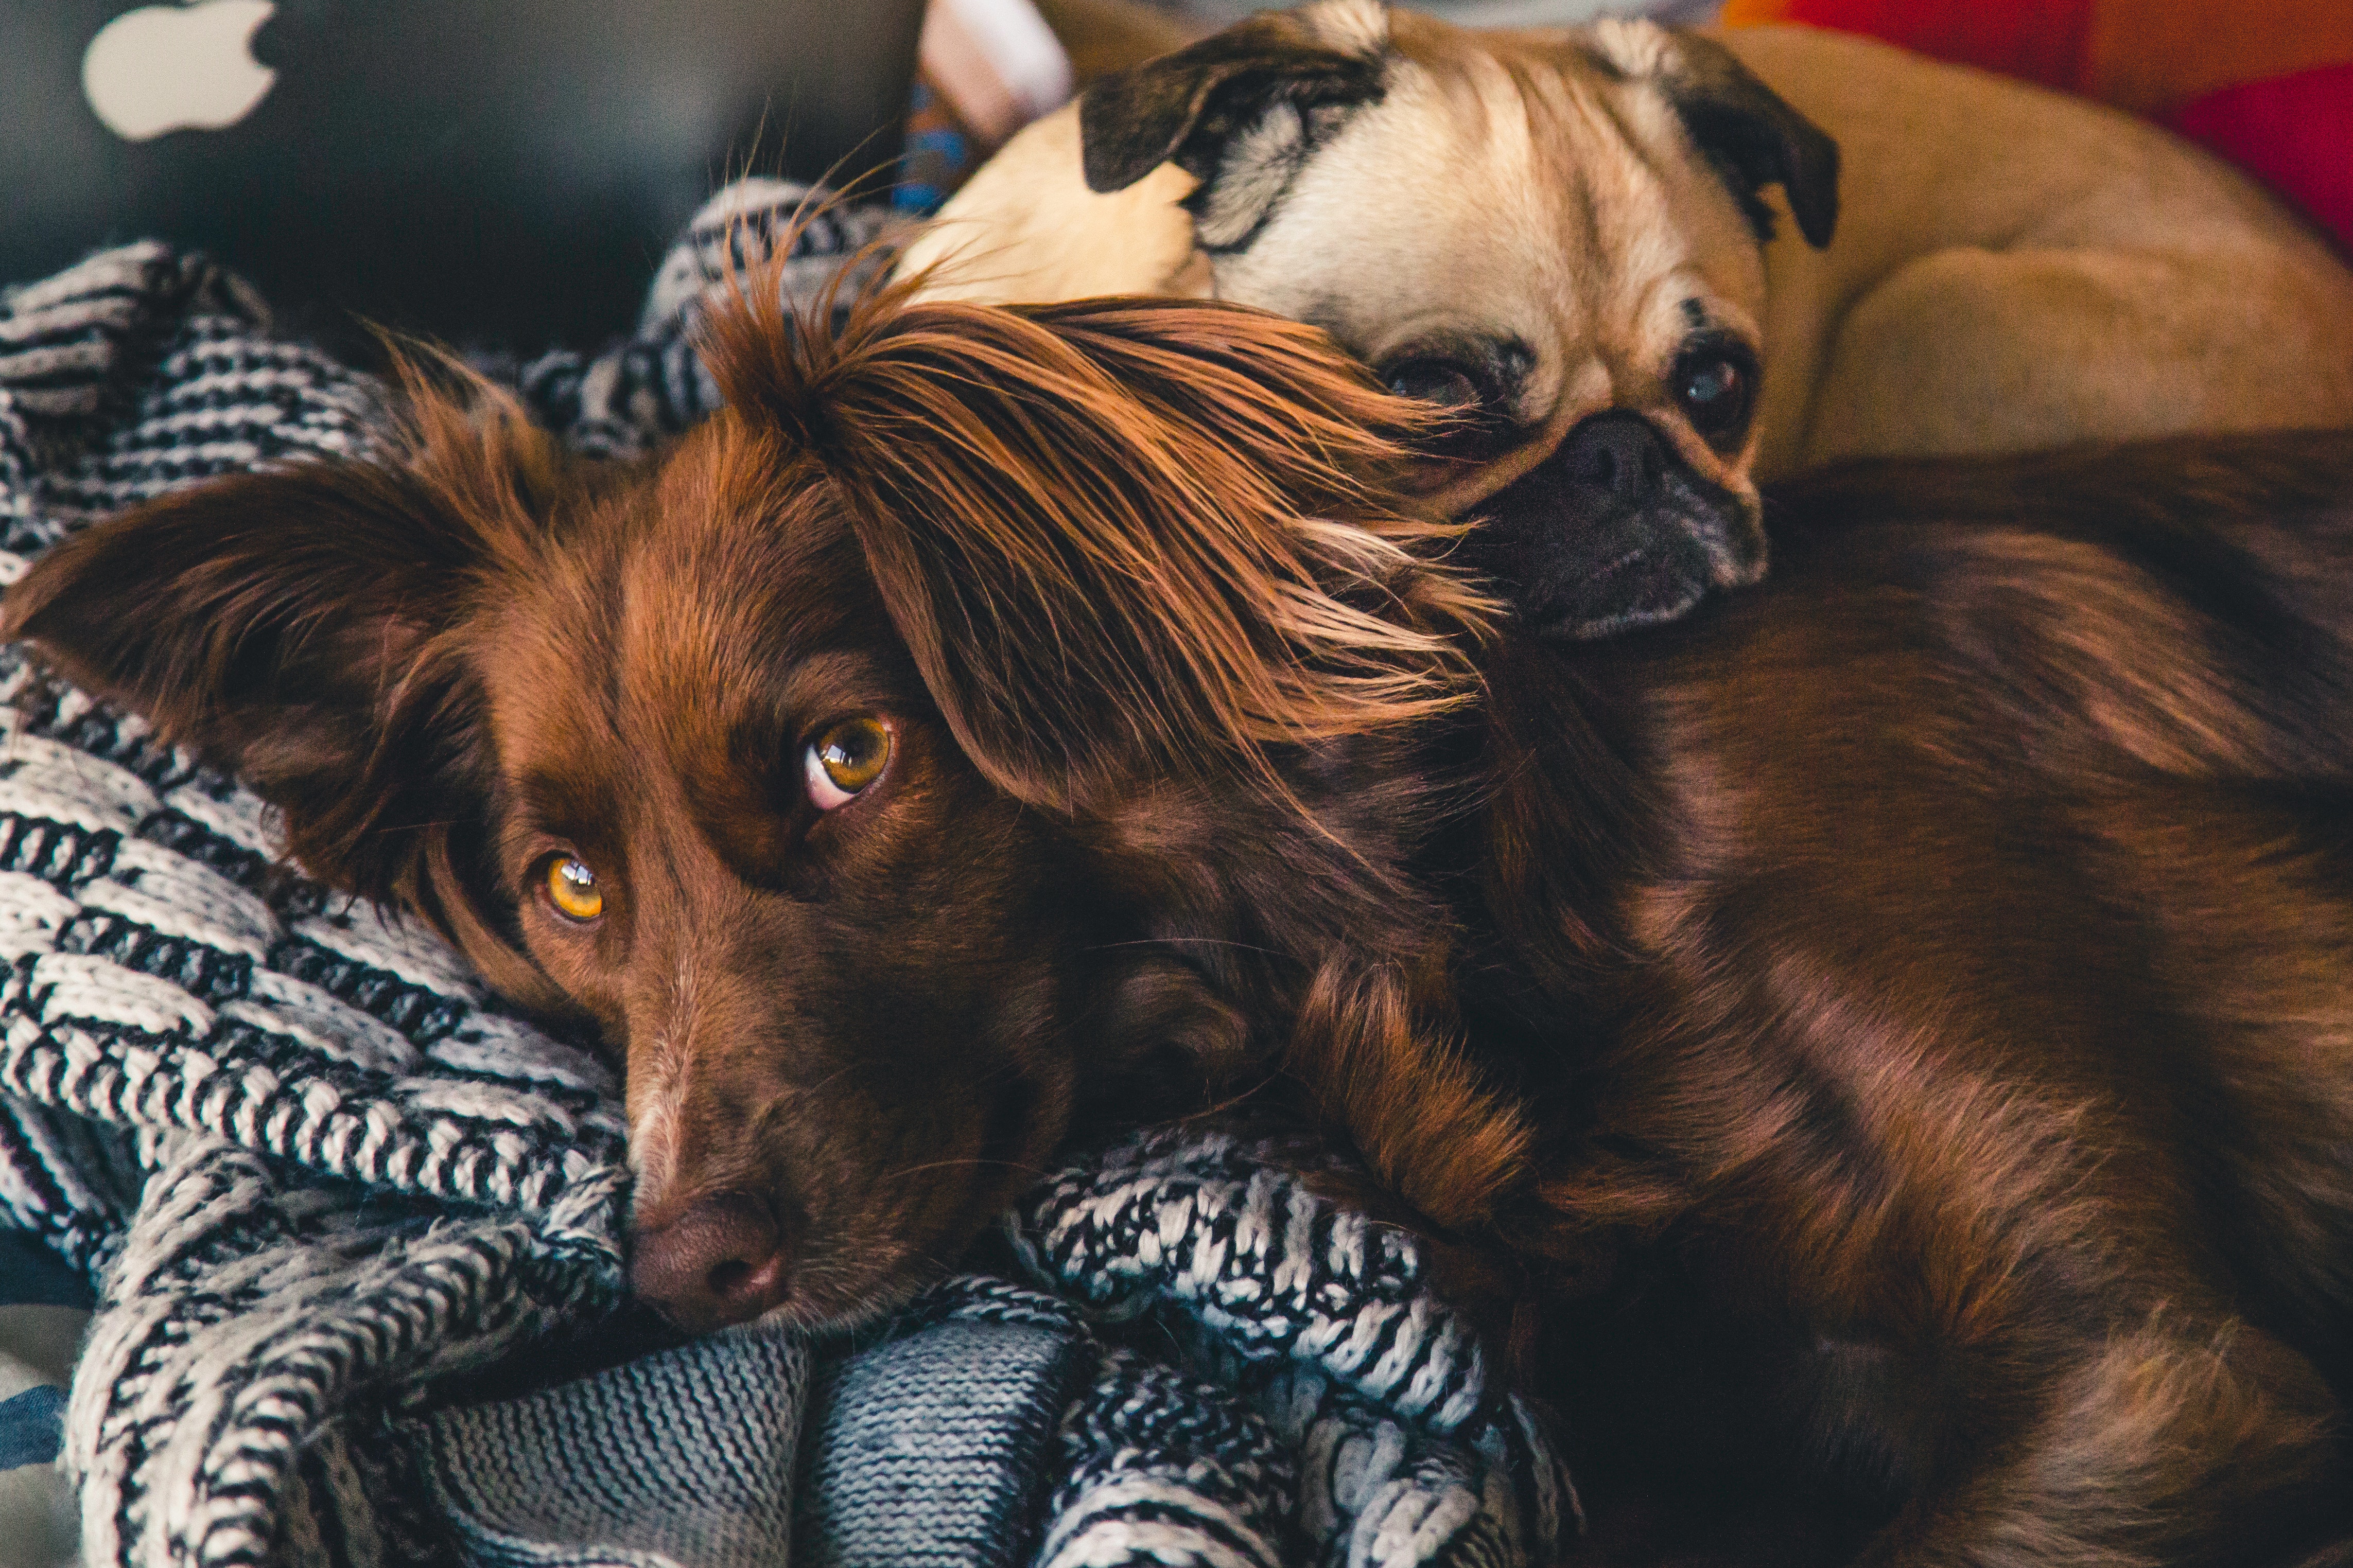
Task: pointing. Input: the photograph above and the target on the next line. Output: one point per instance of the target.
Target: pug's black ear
(1187, 107)
(1745, 129)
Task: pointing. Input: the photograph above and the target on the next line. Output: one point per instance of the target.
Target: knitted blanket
(354, 1229)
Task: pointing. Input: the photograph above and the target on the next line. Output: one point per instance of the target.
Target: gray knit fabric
(322, 1179)
(930, 1450)
(684, 1456)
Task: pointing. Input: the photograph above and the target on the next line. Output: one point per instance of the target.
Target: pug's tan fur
(2011, 268)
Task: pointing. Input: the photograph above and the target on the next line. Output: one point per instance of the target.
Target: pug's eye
(1470, 396)
(1716, 390)
(572, 889)
(845, 760)
(1710, 387)
(1436, 381)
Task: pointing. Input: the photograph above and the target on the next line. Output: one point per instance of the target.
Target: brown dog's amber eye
(845, 759)
(572, 888)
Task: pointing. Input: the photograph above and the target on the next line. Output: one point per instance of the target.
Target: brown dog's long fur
(1930, 975)
(1909, 1068)
(1156, 643)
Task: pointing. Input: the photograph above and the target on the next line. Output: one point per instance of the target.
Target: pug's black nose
(1614, 460)
(722, 1261)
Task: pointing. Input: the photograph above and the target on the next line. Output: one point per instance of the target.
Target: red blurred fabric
(2042, 40)
(2296, 132)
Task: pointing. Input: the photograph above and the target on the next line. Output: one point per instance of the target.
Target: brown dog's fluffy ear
(1747, 129)
(1186, 107)
(288, 624)
(1121, 538)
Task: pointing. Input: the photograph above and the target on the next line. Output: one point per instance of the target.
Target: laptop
(502, 172)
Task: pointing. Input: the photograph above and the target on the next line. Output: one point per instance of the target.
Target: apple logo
(176, 68)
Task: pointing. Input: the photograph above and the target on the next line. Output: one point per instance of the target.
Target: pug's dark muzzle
(1614, 531)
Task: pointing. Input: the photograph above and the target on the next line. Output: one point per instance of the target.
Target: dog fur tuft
(1094, 586)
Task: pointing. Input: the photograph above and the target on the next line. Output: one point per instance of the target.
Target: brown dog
(886, 769)
(1926, 976)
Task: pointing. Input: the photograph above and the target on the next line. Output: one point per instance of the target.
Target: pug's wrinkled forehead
(1558, 236)
(1539, 225)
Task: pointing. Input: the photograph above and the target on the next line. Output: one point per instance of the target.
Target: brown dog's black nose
(722, 1261)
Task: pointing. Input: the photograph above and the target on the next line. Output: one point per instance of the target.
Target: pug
(1648, 268)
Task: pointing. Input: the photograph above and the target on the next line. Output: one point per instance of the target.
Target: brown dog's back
(1935, 967)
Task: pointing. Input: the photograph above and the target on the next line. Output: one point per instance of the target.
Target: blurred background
(512, 171)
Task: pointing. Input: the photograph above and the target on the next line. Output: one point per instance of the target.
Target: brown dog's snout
(724, 1260)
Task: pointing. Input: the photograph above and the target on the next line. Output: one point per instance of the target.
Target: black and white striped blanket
(345, 1216)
